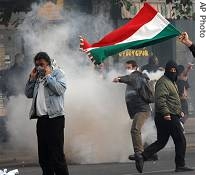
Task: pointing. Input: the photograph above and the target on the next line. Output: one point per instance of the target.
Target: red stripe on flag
(146, 14)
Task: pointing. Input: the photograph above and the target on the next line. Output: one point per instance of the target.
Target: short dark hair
(132, 62)
(180, 69)
(42, 55)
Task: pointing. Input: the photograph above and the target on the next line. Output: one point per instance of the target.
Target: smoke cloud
(154, 76)
(97, 123)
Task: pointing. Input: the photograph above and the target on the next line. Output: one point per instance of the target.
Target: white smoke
(97, 122)
(154, 76)
(21, 130)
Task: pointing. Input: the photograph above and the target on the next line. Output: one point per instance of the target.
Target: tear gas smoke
(154, 75)
(97, 122)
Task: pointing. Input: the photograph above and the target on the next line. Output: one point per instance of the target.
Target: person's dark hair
(44, 56)
(180, 69)
(133, 63)
(153, 60)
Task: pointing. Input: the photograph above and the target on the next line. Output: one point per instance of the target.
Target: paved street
(164, 166)
(67, 57)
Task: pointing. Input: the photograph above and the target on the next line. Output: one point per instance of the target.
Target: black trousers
(165, 129)
(50, 136)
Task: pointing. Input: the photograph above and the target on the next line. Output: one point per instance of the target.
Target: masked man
(167, 119)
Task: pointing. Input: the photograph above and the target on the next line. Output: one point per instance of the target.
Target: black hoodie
(171, 75)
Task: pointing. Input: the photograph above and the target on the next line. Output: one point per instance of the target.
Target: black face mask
(171, 75)
(40, 71)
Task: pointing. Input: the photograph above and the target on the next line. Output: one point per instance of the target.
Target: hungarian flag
(148, 27)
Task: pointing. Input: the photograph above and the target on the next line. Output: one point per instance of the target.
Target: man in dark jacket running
(167, 119)
(138, 109)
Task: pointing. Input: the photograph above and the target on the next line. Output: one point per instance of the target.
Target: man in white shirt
(46, 85)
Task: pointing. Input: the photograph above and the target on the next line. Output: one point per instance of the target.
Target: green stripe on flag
(100, 54)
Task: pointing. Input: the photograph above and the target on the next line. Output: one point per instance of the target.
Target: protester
(152, 65)
(46, 85)
(138, 109)
(183, 88)
(167, 119)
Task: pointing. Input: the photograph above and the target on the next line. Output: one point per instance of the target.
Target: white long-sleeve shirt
(41, 108)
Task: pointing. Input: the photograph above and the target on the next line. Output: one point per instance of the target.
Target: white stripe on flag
(148, 30)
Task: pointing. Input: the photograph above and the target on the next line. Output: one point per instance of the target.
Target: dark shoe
(183, 168)
(131, 157)
(139, 162)
(154, 157)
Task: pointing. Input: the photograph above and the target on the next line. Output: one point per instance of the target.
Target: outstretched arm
(188, 69)
(123, 79)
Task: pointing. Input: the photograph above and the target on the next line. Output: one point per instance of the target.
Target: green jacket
(167, 99)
